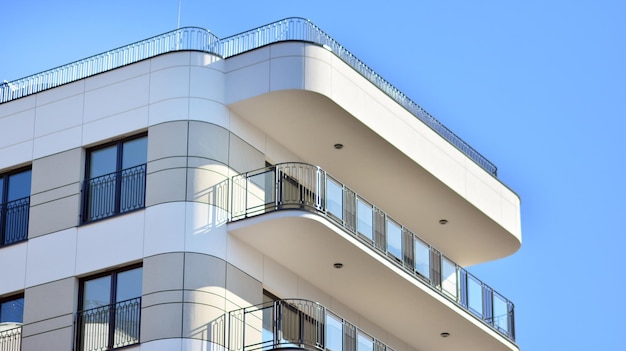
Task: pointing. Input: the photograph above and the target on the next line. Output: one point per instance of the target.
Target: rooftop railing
(193, 38)
(296, 323)
(310, 188)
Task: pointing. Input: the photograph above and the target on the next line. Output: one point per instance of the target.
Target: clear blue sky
(538, 87)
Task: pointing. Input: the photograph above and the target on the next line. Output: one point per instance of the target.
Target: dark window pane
(97, 292)
(134, 152)
(19, 186)
(1, 189)
(12, 311)
(128, 284)
(103, 161)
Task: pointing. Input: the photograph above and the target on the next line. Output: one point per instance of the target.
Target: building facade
(266, 190)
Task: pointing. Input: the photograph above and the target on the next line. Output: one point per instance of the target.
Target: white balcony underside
(309, 245)
(310, 124)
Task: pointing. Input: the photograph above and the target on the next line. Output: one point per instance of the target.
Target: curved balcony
(199, 39)
(296, 324)
(300, 186)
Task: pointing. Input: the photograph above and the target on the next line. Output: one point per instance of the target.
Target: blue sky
(538, 87)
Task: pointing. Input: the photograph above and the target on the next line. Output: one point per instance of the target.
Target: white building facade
(266, 190)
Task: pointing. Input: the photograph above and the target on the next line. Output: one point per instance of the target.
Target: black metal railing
(114, 193)
(308, 187)
(14, 221)
(296, 323)
(192, 38)
(11, 339)
(109, 327)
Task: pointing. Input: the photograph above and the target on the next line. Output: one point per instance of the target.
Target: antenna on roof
(179, 2)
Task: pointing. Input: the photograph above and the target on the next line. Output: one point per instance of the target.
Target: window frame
(86, 200)
(4, 195)
(13, 298)
(112, 302)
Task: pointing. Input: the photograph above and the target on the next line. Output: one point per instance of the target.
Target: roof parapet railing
(187, 38)
(193, 38)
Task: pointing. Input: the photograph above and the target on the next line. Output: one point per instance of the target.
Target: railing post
(3, 215)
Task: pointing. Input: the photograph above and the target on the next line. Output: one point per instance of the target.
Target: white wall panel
(17, 106)
(17, 128)
(287, 73)
(168, 110)
(135, 70)
(110, 242)
(13, 267)
(205, 230)
(57, 142)
(248, 82)
(209, 111)
(59, 115)
(207, 84)
(16, 154)
(169, 83)
(165, 228)
(170, 60)
(244, 257)
(247, 132)
(115, 126)
(51, 257)
(116, 98)
(60, 93)
(278, 279)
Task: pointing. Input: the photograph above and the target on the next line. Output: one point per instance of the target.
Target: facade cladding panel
(224, 196)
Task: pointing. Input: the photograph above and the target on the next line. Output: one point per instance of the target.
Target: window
(14, 206)
(11, 312)
(110, 310)
(116, 178)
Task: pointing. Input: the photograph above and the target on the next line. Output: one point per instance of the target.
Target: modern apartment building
(266, 190)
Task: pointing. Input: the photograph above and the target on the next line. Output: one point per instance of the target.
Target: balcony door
(110, 309)
(116, 178)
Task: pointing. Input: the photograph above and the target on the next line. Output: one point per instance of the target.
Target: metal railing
(295, 323)
(14, 221)
(114, 193)
(109, 327)
(192, 38)
(11, 339)
(308, 187)
(188, 38)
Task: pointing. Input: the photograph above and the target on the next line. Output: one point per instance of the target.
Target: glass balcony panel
(334, 333)
(475, 296)
(334, 198)
(364, 219)
(364, 342)
(449, 277)
(394, 239)
(422, 258)
(500, 313)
